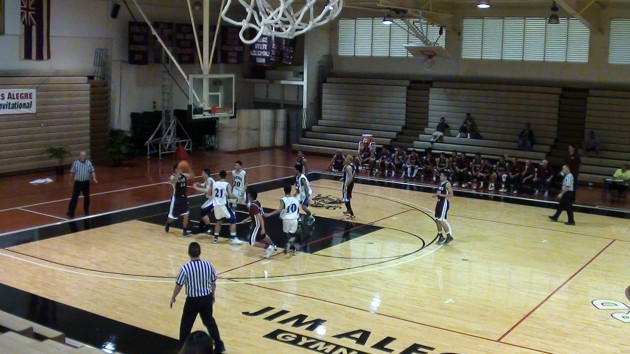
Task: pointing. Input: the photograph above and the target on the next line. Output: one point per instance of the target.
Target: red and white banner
(17, 101)
(35, 32)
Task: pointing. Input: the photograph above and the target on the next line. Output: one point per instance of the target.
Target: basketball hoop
(283, 21)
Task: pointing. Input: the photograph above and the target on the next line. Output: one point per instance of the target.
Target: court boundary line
(37, 212)
(555, 291)
(119, 190)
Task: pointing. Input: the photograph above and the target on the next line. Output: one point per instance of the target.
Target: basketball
(184, 166)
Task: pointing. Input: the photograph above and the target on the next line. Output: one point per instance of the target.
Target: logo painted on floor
(346, 342)
(622, 311)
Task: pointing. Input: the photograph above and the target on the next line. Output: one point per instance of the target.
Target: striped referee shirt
(567, 182)
(82, 170)
(197, 275)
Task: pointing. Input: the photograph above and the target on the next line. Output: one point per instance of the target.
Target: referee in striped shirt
(81, 170)
(566, 196)
(200, 278)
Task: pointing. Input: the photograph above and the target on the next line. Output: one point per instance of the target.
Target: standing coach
(81, 170)
(200, 278)
(567, 196)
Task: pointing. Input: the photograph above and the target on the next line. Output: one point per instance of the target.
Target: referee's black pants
(566, 203)
(201, 306)
(80, 187)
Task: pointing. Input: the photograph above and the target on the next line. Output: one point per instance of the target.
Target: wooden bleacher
(608, 114)
(352, 107)
(20, 336)
(500, 112)
(417, 114)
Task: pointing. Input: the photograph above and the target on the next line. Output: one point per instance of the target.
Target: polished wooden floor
(511, 282)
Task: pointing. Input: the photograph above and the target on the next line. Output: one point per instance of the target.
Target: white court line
(287, 278)
(85, 273)
(112, 191)
(91, 195)
(44, 214)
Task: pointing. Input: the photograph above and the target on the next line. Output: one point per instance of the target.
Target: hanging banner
(16, 101)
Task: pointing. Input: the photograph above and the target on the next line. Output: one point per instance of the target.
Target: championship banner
(35, 30)
(16, 101)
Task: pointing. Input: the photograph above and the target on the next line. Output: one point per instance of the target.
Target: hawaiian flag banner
(35, 33)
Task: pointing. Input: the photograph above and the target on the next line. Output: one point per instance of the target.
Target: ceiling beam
(428, 10)
(588, 12)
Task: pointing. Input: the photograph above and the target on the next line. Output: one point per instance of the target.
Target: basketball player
(301, 160)
(258, 237)
(179, 200)
(304, 192)
(207, 206)
(336, 164)
(444, 193)
(289, 211)
(410, 169)
(399, 157)
(440, 165)
(221, 191)
(239, 183)
(349, 171)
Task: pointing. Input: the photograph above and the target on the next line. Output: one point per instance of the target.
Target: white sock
(448, 227)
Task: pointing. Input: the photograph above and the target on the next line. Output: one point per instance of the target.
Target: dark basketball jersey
(442, 189)
(179, 190)
(502, 167)
(442, 163)
(365, 153)
(299, 160)
(413, 159)
(476, 165)
(400, 158)
(254, 209)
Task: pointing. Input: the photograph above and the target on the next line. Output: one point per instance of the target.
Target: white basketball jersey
(291, 209)
(239, 179)
(207, 184)
(219, 193)
(302, 185)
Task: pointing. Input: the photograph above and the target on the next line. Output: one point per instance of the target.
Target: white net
(288, 19)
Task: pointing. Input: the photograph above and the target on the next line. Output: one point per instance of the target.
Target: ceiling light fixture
(483, 4)
(197, 5)
(553, 18)
(387, 20)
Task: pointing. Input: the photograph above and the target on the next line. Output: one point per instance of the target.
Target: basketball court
(511, 282)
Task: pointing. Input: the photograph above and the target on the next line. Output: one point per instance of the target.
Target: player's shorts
(441, 209)
(289, 226)
(256, 234)
(346, 192)
(178, 207)
(207, 208)
(240, 195)
(224, 212)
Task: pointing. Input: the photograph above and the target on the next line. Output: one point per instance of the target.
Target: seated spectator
(592, 143)
(441, 164)
(460, 170)
(468, 128)
(501, 172)
(526, 138)
(336, 164)
(440, 130)
(198, 342)
(527, 176)
(428, 164)
(476, 172)
(621, 179)
(543, 175)
(514, 175)
(384, 163)
(367, 155)
(399, 158)
(410, 169)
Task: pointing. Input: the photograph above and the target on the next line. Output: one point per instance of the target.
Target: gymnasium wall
(596, 71)
(62, 119)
